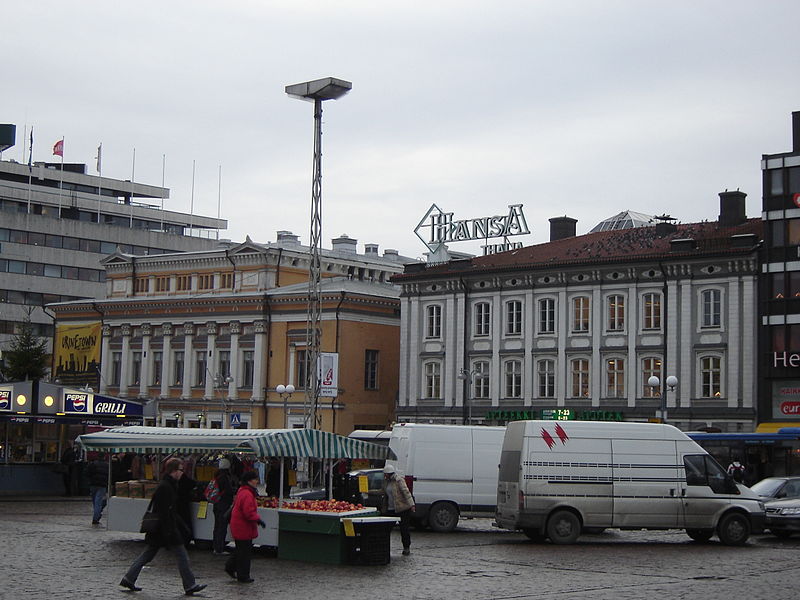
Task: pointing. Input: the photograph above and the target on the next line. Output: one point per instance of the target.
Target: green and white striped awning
(301, 443)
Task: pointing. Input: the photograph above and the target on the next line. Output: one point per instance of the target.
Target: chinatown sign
(438, 227)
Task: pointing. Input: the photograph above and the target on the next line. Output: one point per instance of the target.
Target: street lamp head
(281, 389)
(229, 380)
(328, 88)
(290, 389)
(653, 381)
(672, 382)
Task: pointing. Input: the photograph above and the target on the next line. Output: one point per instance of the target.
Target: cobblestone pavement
(52, 551)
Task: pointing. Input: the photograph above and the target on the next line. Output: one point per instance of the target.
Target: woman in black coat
(169, 533)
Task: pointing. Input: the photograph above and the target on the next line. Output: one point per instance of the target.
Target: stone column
(233, 388)
(166, 359)
(105, 360)
(188, 359)
(147, 362)
(259, 372)
(211, 361)
(124, 375)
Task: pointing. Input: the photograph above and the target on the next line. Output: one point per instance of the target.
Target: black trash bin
(368, 540)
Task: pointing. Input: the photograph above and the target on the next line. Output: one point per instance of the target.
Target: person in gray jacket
(398, 502)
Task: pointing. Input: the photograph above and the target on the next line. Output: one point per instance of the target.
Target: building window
(226, 281)
(433, 324)
(616, 313)
(710, 377)
(579, 372)
(177, 371)
(141, 285)
(483, 319)
(651, 367)
(163, 284)
(514, 317)
(711, 305)
(183, 283)
(615, 378)
(247, 368)
(301, 367)
(547, 315)
(512, 370)
(200, 368)
(546, 372)
(433, 379)
(116, 368)
(481, 379)
(158, 362)
(136, 368)
(651, 311)
(224, 364)
(580, 314)
(205, 282)
(370, 369)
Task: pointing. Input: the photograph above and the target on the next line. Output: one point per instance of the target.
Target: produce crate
(313, 536)
(370, 542)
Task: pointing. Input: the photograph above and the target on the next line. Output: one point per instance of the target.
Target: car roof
(783, 502)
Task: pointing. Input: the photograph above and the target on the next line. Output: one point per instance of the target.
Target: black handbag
(150, 520)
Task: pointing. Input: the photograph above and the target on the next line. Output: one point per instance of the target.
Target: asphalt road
(50, 550)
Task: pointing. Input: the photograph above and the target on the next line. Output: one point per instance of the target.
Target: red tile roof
(624, 245)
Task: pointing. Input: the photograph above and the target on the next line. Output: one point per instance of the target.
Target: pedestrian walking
(398, 502)
(224, 501)
(169, 535)
(244, 522)
(186, 487)
(69, 470)
(736, 470)
(97, 473)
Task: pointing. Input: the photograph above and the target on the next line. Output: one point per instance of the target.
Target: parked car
(783, 517)
(776, 488)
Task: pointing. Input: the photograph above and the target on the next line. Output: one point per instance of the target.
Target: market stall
(319, 517)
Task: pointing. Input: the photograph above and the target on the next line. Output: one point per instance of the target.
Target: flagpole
(191, 202)
(99, 179)
(219, 197)
(61, 180)
(163, 175)
(30, 169)
(130, 199)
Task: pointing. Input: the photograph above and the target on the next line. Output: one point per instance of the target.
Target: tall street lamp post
(466, 376)
(671, 382)
(315, 91)
(285, 392)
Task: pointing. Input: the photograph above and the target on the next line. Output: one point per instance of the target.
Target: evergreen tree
(27, 358)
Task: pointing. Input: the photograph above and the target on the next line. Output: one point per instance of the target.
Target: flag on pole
(30, 153)
(58, 148)
(99, 158)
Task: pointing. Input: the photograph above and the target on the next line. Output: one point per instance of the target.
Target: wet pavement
(52, 550)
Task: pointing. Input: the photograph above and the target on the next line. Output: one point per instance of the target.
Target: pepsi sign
(5, 399)
(77, 402)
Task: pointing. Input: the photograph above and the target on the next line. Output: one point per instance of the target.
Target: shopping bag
(149, 520)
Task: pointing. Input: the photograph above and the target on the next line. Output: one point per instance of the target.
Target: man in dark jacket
(97, 472)
(169, 533)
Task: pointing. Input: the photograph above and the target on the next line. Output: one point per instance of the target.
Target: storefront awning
(300, 443)
(774, 427)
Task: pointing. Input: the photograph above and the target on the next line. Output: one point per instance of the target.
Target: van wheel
(563, 527)
(700, 535)
(443, 517)
(534, 535)
(733, 529)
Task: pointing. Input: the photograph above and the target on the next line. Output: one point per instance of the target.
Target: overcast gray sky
(583, 108)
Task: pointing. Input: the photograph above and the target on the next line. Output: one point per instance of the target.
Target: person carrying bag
(244, 522)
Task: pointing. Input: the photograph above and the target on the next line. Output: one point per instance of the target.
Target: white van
(559, 477)
(451, 470)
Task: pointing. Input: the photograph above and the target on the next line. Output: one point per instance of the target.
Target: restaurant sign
(786, 400)
(438, 227)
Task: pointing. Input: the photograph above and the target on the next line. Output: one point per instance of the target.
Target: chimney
(562, 228)
(796, 131)
(371, 249)
(731, 208)
(344, 244)
(391, 254)
(287, 238)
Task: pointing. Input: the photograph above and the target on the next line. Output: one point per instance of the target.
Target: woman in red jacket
(244, 522)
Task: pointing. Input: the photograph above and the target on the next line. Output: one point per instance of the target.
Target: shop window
(20, 442)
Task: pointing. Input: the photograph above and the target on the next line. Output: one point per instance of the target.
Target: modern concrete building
(779, 355)
(57, 225)
(578, 326)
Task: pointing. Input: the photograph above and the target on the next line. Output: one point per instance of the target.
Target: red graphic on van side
(548, 439)
(562, 435)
